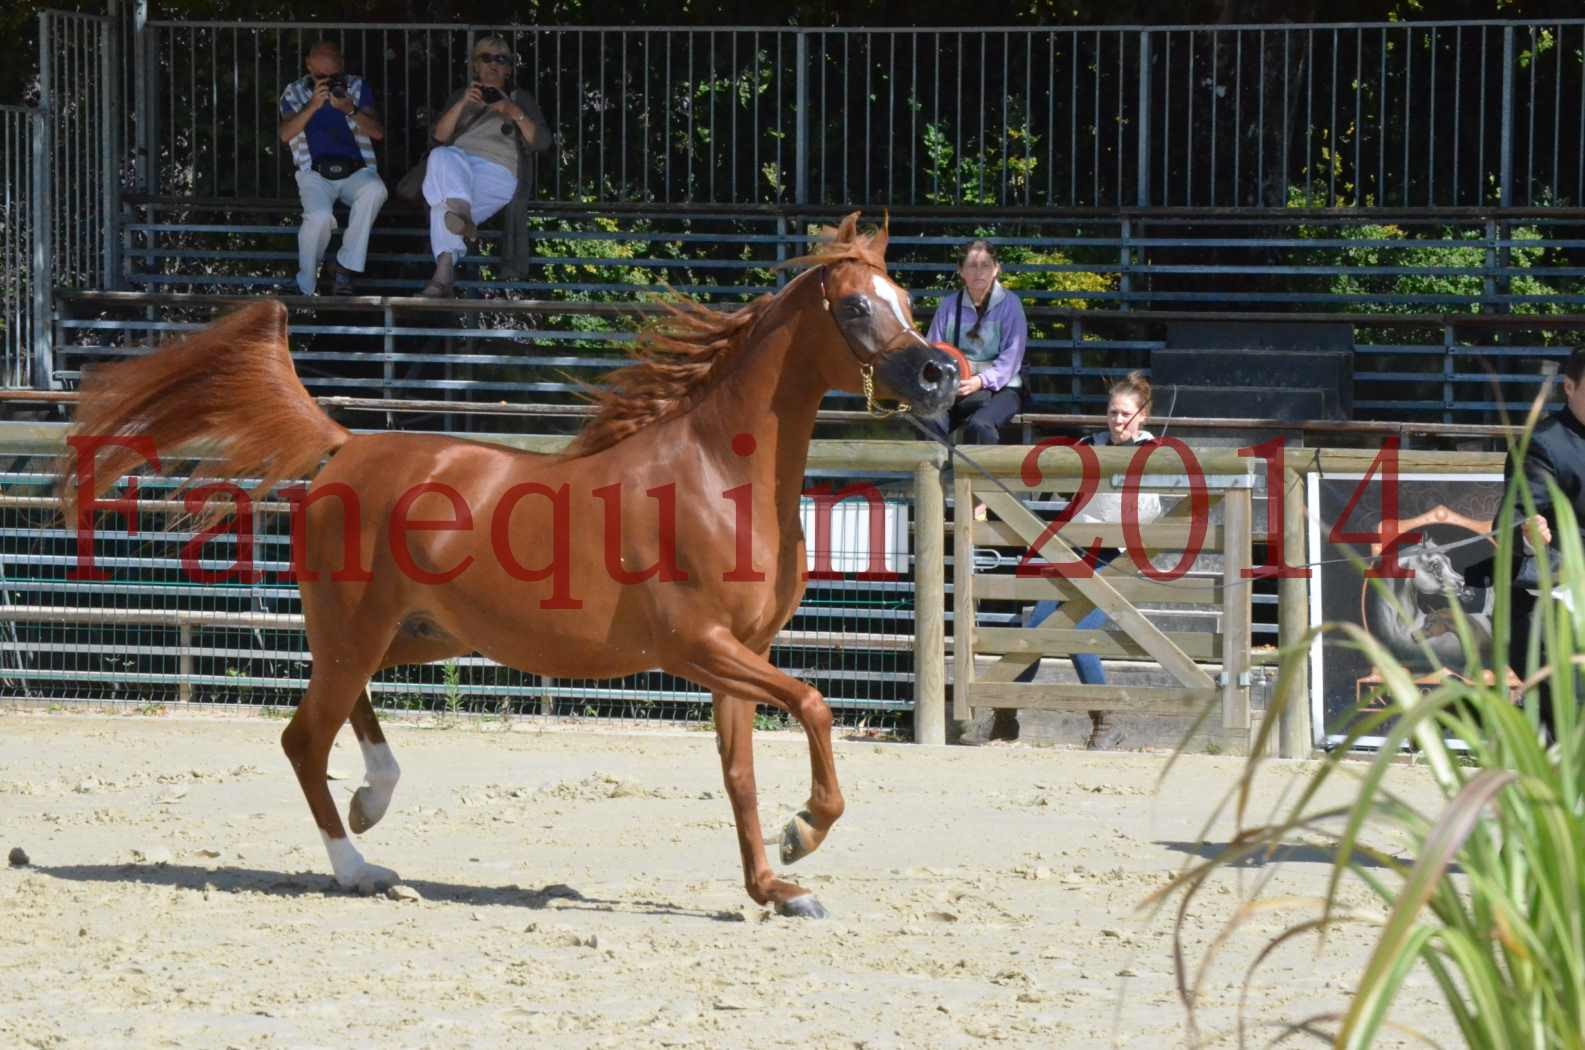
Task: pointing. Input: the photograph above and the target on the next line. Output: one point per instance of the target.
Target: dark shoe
(1104, 737)
(1004, 724)
(343, 282)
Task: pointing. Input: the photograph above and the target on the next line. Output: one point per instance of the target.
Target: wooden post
(184, 663)
(930, 597)
(1293, 619)
(962, 596)
(1236, 507)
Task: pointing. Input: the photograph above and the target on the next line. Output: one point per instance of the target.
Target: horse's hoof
(371, 881)
(802, 907)
(361, 816)
(797, 839)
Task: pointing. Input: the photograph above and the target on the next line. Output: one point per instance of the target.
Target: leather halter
(866, 368)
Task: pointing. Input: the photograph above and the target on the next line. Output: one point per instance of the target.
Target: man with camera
(328, 118)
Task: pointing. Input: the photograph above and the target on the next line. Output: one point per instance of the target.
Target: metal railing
(79, 76)
(23, 244)
(1392, 114)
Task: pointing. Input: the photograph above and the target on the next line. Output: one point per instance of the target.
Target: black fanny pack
(334, 168)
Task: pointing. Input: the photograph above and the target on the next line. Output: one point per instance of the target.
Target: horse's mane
(685, 353)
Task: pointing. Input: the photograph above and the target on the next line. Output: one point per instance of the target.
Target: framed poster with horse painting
(1412, 615)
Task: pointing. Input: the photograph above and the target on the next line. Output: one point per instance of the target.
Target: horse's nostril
(932, 373)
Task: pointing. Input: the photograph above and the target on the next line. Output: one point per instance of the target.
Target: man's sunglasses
(497, 59)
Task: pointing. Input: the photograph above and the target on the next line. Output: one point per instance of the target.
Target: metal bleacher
(1459, 356)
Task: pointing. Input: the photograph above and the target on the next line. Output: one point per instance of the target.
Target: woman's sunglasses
(495, 58)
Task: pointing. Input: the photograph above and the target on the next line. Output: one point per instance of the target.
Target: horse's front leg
(734, 729)
(737, 675)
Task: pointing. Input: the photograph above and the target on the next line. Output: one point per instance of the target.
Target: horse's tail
(230, 388)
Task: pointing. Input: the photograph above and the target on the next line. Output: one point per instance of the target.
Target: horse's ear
(278, 321)
(848, 231)
(881, 237)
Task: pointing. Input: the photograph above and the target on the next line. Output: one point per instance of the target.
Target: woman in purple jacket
(986, 322)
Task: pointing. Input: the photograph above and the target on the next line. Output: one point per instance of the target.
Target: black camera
(491, 95)
(337, 82)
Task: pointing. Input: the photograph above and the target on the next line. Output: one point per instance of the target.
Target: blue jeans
(1088, 665)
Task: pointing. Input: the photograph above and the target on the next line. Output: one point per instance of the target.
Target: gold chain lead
(867, 373)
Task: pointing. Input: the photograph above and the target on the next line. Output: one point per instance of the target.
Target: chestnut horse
(666, 536)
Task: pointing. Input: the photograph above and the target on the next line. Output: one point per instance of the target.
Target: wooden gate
(1209, 666)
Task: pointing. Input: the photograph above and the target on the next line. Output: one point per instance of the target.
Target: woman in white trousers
(486, 136)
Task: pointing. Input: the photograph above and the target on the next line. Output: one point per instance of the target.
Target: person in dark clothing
(1556, 451)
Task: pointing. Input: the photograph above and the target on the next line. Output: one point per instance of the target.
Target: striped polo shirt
(329, 133)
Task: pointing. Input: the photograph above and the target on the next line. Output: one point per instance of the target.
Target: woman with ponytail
(986, 323)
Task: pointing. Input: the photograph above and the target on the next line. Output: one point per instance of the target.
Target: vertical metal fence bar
(666, 103)
(1286, 80)
(42, 275)
(1505, 184)
(140, 95)
(1309, 117)
(754, 105)
(1408, 93)
(1238, 116)
(1051, 119)
(1359, 125)
(710, 79)
(1029, 114)
(1529, 137)
(621, 96)
(1430, 151)
(847, 109)
(1073, 118)
(580, 89)
(979, 142)
(1557, 112)
(1480, 134)
(1095, 136)
(891, 114)
(1260, 127)
(1122, 79)
(1142, 162)
(914, 104)
(1188, 125)
(214, 111)
(1216, 52)
(869, 109)
(1331, 131)
(1458, 108)
(1579, 189)
(110, 68)
(1001, 179)
(1381, 126)
(824, 188)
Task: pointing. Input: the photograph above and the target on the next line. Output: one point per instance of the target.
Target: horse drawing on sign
(666, 536)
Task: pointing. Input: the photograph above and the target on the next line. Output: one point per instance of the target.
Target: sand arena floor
(582, 889)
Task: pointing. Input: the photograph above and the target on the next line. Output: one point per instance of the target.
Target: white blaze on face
(887, 292)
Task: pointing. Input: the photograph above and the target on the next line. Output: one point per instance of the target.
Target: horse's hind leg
(380, 771)
(334, 687)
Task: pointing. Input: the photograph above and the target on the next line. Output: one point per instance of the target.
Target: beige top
(486, 140)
